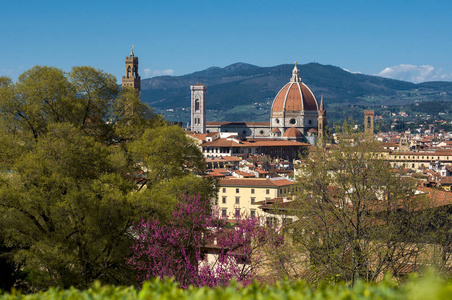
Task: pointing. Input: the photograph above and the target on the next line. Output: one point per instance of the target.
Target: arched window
(197, 105)
(135, 71)
(128, 71)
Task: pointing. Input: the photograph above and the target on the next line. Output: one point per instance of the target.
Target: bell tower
(369, 125)
(198, 108)
(321, 121)
(132, 79)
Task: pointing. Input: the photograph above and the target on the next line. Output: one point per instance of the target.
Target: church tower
(369, 125)
(321, 121)
(198, 108)
(132, 79)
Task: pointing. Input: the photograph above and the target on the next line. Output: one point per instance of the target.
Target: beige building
(239, 196)
(415, 160)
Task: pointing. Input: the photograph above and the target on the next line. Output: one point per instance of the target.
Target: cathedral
(295, 115)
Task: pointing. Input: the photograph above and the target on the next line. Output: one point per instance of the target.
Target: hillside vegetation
(251, 90)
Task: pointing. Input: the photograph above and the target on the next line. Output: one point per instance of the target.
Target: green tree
(129, 117)
(72, 152)
(357, 217)
(172, 165)
(42, 95)
(66, 212)
(166, 152)
(94, 89)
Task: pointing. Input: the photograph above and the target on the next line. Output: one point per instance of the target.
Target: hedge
(427, 287)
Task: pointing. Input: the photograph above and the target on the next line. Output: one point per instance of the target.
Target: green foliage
(66, 211)
(166, 152)
(72, 149)
(242, 85)
(426, 288)
(363, 220)
(131, 117)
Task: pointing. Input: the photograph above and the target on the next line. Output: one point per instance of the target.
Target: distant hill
(245, 92)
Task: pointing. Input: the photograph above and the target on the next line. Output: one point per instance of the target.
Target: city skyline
(407, 40)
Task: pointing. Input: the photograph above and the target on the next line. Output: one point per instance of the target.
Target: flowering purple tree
(182, 247)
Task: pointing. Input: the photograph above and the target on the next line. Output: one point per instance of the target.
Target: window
(253, 213)
(237, 191)
(244, 131)
(292, 121)
(237, 200)
(309, 122)
(253, 200)
(224, 212)
(224, 190)
(197, 105)
(252, 191)
(237, 213)
(261, 132)
(267, 191)
(280, 191)
(223, 200)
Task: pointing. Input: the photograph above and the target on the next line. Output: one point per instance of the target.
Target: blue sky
(410, 40)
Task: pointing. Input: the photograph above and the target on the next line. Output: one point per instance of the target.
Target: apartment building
(239, 196)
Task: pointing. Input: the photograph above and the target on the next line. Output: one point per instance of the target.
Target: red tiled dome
(295, 96)
(276, 130)
(293, 133)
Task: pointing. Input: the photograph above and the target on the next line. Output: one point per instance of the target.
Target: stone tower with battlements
(369, 125)
(132, 79)
(198, 108)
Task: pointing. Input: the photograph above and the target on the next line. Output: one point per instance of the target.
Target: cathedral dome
(293, 133)
(295, 96)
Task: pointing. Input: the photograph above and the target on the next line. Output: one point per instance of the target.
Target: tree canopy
(358, 218)
(80, 161)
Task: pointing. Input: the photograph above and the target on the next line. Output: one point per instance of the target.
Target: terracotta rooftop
(295, 96)
(244, 174)
(223, 142)
(438, 197)
(446, 180)
(223, 159)
(293, 133)
(260, 182)
(199, 136)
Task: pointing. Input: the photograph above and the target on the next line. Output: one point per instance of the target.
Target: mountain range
(242, 91)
